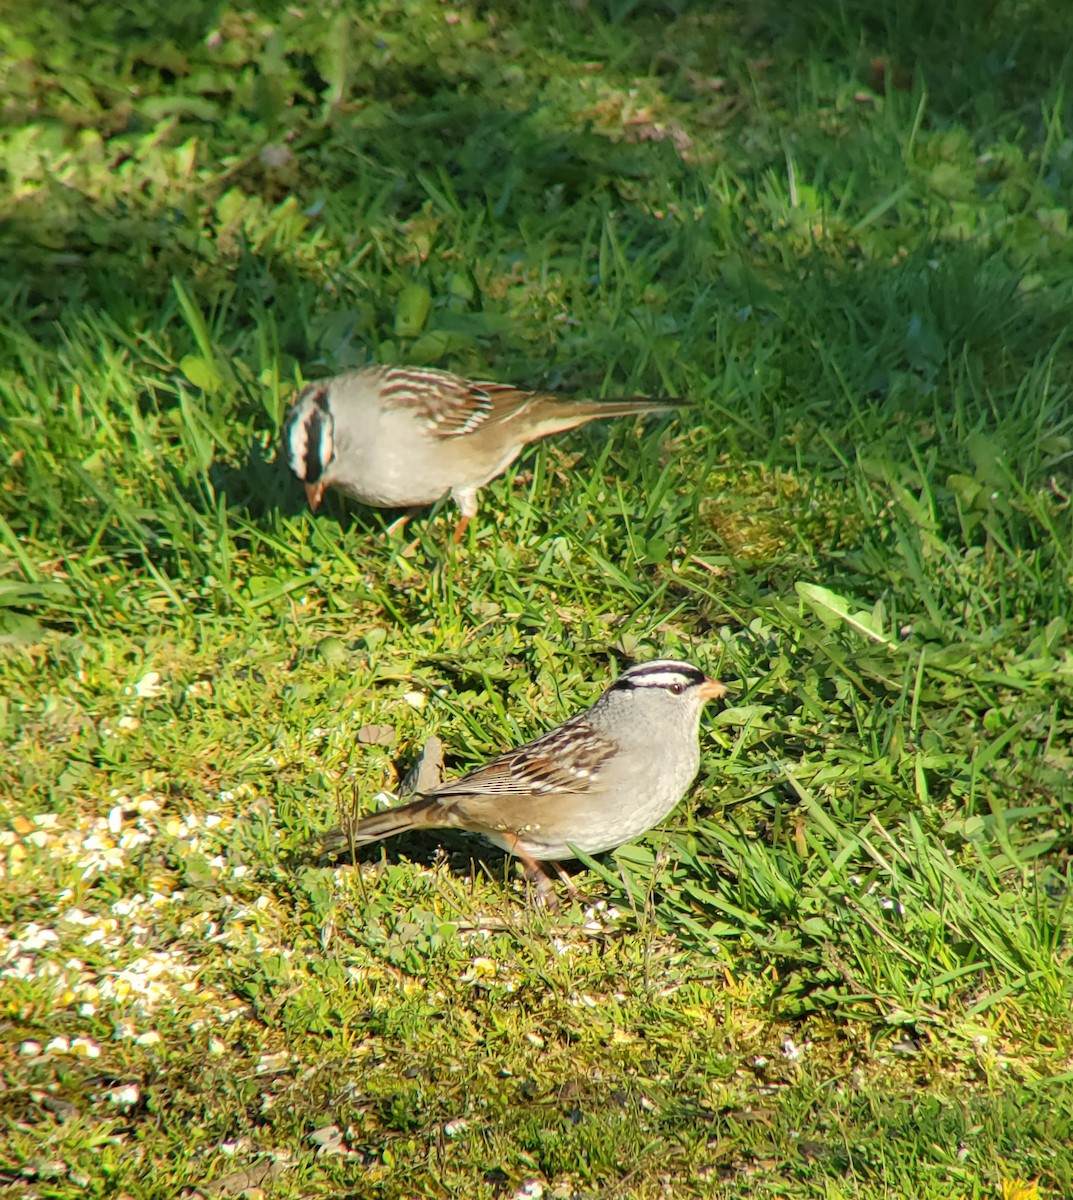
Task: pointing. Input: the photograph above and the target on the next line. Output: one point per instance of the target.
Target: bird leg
(467, 506)
(460, 529)
(568, 883)
(537, 876)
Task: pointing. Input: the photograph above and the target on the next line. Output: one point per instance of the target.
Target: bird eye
(676, 689)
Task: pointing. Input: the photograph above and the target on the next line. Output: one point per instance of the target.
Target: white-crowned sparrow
(402, 437)
(603, 777)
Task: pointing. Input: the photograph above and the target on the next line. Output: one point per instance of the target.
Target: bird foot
(544, 886)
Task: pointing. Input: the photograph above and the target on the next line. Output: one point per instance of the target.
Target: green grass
(842, 969)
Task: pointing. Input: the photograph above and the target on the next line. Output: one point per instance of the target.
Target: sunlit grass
(843, 966)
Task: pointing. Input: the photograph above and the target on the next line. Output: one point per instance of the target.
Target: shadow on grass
(424, 158)
(417, 110)
(466, 857)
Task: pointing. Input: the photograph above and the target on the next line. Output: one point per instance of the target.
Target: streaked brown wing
(452, 406)
(563, 761)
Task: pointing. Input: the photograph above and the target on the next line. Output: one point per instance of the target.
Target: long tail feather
(426, 813)
(622, 406)
(555, 416)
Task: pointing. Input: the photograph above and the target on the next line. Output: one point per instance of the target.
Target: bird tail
(555, 415)
(425, 813)
(622, 406)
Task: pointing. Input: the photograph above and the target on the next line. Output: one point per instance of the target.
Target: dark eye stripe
(309, 435)
(312, 467)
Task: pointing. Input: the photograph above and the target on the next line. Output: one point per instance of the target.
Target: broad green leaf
(411, 310)
(201, 373)
(834, 610)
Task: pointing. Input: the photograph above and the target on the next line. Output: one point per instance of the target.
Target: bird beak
(315, 493)
(712, 689)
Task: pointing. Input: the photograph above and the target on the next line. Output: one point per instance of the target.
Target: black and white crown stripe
(310, 434)
(667, 673)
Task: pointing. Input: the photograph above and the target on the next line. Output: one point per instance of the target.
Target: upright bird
(402, 437)
(601, 778)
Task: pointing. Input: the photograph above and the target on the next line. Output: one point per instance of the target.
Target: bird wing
(451, 406)
(562, 762)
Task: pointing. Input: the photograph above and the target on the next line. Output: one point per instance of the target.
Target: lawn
(842, 969)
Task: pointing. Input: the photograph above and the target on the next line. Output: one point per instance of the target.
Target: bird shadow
(262, 488)
(463, 855)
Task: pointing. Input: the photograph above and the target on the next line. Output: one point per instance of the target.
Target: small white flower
(29, 1049)
(415, 699)
(58, 1045)
(36, 937)
(149, 1038)
(85, 1047)
(790, 1049)
(455, 1127)
(124, 1097)
(149, 687)
(272, 1062)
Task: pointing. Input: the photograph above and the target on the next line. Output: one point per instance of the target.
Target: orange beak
(315, 494)
(712, 689)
